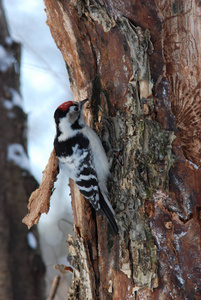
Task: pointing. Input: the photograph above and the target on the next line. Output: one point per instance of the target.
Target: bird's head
(71, 112)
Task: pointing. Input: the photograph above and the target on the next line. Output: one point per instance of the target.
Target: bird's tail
(109, 212)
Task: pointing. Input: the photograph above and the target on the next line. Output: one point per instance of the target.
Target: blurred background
(44, 85)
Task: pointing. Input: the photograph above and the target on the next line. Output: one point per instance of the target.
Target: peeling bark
(143, 83)
(181, 39)
(39, 201)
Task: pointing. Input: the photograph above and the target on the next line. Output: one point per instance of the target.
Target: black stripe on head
(76, 124)
(59, 114)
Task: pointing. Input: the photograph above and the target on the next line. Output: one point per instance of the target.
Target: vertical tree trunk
(21, 266)
(138, 62)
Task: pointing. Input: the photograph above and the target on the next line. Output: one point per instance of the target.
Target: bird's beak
(83, 102)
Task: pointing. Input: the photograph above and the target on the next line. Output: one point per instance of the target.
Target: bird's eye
(75, 108)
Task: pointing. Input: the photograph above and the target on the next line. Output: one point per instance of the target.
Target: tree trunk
(139, 64)
(21, 266)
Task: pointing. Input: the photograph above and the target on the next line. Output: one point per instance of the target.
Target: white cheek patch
(65, 125)
(65, 128)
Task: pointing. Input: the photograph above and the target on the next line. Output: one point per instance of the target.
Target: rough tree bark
(21, 267)
(139, 64)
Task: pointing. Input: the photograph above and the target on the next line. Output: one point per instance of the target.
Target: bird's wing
(87, 181)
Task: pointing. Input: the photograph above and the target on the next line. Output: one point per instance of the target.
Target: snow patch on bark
(16, 100)
(17, 154)
(6, 59)
(31, 240)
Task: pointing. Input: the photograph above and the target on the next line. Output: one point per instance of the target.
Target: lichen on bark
(142, 161)
(141, 167)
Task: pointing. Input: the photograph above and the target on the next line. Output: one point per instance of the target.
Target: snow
(11, 115)
(15, 101)
(31, 240)
(6, 59)
(178, 273)
(16, 98)
(8, 104)
(17, 154)
(8, 40)
(193, 164)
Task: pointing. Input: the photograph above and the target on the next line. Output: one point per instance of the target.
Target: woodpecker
(82, 157)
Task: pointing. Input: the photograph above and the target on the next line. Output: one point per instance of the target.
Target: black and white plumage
(82, 157)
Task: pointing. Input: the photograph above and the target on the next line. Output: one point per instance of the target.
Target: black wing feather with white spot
(88, 186)
(87, 181)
